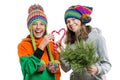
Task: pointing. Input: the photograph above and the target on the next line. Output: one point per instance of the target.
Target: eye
(67, 22)
(34, 24)
(42, 24)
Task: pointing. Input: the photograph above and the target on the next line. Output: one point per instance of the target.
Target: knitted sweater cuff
(38, 53)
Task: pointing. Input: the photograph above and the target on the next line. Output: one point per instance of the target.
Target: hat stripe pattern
(72, 14)
(37, 17)
(83, 11)
(37, 14)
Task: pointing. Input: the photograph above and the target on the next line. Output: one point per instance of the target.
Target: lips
(72, 27)
(38, 31)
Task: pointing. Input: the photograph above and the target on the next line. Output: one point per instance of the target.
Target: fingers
(92, 70)
(58, 43)
(41, 67)
(61, 46)
(49, 37)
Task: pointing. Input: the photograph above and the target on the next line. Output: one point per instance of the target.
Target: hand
(58, 43)
(41, 67)
(47, 38)
(92, 70)
(60, 46)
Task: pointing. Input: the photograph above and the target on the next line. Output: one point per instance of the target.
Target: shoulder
(25, 41)
(95, 33)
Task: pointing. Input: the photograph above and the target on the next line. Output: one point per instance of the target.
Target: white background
(13, 16)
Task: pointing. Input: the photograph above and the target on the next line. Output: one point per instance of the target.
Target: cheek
(44, 28)
(33, 27)
(79, 23)
(68, 27)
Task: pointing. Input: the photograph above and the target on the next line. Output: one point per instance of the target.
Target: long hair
(71, 37)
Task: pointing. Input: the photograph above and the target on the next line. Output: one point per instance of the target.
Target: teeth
(38, 31)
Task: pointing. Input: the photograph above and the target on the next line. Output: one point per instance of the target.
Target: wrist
(41, 47)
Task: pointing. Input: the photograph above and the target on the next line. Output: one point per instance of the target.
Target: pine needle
(83, 55)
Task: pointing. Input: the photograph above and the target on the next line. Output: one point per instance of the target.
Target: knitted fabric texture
(36, 12)
(79, 12)
(25, 48)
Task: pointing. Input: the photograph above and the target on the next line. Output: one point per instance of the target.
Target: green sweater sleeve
(29, 64)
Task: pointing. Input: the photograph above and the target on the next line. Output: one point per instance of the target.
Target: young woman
(33, 51)
(76, 18)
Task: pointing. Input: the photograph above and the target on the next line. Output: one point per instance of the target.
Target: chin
(73, 31)
(38, 36)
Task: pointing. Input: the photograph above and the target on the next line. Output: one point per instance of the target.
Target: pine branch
(82, 56)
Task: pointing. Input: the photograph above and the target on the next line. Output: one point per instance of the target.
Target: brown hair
(80, 34)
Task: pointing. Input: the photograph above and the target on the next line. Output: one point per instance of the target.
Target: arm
(104, 65)
(64, 65)
(29, 63)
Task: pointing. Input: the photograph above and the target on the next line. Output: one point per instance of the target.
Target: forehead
(37, 21)
(68, 19)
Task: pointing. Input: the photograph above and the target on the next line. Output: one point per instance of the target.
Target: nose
(38, 25)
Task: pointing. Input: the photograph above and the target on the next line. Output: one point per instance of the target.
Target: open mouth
(39, 31)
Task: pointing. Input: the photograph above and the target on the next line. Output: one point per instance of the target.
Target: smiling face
(38, 29)
(73, 24)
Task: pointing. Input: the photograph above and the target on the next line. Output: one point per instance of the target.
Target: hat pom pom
(85, 18)
(35, 7)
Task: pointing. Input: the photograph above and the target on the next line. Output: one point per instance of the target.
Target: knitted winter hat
(36, 12)
(79, 12)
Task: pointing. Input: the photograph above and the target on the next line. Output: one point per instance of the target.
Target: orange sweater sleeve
(25, 49)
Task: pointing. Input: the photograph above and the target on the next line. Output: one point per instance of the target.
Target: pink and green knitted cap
(36, 12)
(79, 12)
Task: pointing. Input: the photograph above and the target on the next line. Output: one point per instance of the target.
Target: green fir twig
(81, 56)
